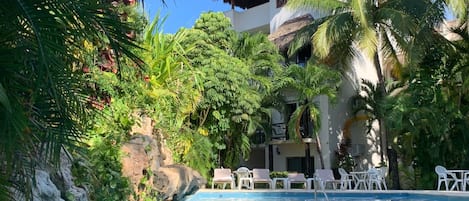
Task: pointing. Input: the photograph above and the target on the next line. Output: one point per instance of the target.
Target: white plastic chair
(345, 179)
(244, 178)
(382, 171)
(324, 177)
(261, 176)
(374, 179)
(447, 177)
(223, 176)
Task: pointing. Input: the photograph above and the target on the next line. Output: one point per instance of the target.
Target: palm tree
(310, 82)
(381, 30)
(42, 98)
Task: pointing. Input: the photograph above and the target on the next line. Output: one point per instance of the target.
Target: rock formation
(148, 165)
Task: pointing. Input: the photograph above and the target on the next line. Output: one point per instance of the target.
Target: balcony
(253, 19)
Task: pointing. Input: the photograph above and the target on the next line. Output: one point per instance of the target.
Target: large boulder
(54, 183)
(148, 164)
(176, 181)
(140, 156)
(44, 189)
(63, 179)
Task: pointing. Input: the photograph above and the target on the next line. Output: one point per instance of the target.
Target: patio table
(460, 178)
(360, 178)
(283, 180)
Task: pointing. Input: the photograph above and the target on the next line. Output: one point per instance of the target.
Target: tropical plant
(310, 82)
(237, 72)
(428, 118)
(371, 101)
(42, 95)
(269, 76)
(384, 31)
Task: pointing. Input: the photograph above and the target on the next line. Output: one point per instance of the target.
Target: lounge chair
(345, 179)
(324, 177)
(296, 178)
(223, 176)
(261, 176)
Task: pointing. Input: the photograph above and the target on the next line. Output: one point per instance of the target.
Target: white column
(323, 103)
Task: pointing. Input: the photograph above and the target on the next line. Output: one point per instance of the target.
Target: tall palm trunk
(392, 157)
(318, 149)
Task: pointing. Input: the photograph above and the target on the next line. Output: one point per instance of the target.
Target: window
(303, 56)
(298, 164)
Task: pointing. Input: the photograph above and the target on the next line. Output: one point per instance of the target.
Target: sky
(182, 13)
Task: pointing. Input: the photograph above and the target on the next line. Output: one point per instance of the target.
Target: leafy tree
(237, 75)
(428, 118)
(269, 76)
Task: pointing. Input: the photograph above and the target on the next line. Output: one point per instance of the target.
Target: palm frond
(368, 41)
(43, 106)
(334, 30)
(460, 9)
(361, 12)
(303, 37)
(294, 124)
(402, 23)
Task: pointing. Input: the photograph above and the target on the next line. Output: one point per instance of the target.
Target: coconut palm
(42, 101)
(382, 30)
(310, 82)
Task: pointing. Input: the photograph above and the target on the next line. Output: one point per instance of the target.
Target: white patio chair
(244, 177)
(447, 177)
(296, 178)
(382, 171)
(261, 176)
(223, 176)
(324, 177)
(374, 179)
(345, 179)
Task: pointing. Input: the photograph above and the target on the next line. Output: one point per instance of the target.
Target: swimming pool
(333, 196)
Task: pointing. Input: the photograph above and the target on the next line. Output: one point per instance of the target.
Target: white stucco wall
(268, 18)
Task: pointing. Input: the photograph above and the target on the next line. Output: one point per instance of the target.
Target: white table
(283, 180)
(360, 178)
(459, 177)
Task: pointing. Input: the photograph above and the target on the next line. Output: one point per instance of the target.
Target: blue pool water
(309, 196)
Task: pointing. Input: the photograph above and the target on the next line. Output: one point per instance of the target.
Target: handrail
(316, 191)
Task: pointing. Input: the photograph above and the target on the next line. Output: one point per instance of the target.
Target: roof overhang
(285, 34)
(244, 4)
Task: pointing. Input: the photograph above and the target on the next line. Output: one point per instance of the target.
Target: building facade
(281, 153)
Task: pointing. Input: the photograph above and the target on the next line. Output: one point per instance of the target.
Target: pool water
(309, 196)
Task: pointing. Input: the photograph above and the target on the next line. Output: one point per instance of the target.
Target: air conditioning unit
(278, 130)
(357, 149)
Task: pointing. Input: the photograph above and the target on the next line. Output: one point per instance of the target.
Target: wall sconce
(278, 150)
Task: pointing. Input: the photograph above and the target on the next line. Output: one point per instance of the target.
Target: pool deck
(424, 192)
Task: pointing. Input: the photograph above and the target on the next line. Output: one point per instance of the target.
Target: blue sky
(182, 13)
